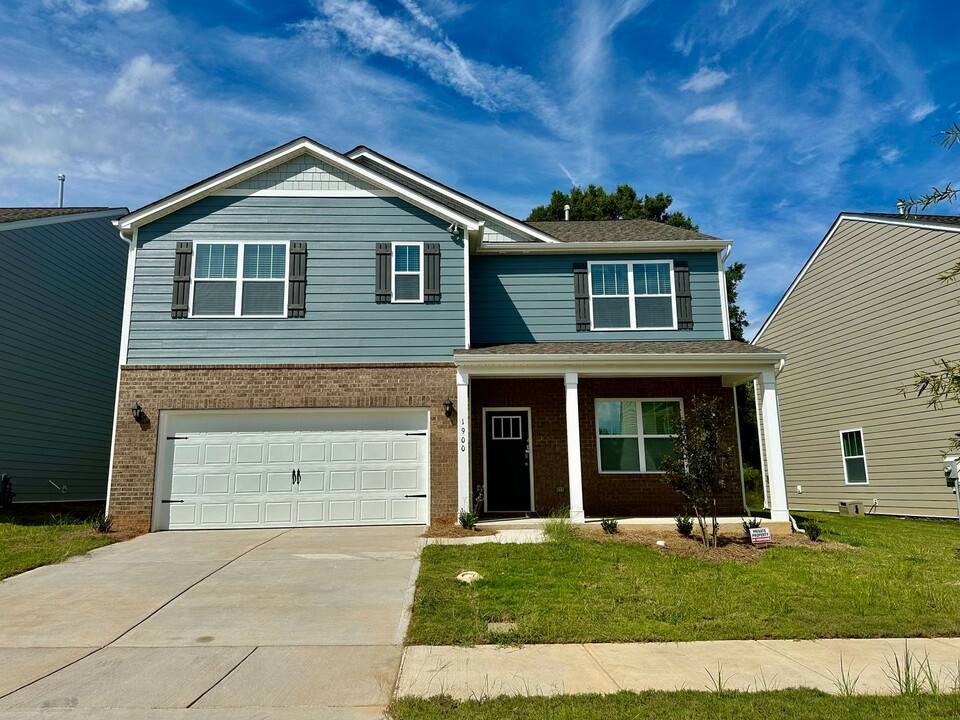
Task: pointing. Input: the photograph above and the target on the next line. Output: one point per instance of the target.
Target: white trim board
(906, 222)
(269, 192)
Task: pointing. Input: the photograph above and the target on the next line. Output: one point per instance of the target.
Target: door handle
(298, 477)
(167, 502)
(293, 477)
(415, 496)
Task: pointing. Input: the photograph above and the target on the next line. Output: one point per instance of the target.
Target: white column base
(776, 477)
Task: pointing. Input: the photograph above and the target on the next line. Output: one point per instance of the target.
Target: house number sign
(463, 434)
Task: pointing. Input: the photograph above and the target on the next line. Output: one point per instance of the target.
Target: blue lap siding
(61, 296)
(343, 322)
(530, 298)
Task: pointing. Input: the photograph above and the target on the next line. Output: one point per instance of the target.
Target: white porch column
(573, 448)
(463, 441)
(770, 410)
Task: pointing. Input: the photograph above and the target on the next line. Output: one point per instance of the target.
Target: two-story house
(316, 338)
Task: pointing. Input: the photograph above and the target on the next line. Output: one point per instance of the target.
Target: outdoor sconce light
(137, 411)
(448, 407)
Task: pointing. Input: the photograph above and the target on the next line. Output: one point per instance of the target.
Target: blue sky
(762, 119)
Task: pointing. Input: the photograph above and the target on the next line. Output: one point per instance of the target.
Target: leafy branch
(948, 193)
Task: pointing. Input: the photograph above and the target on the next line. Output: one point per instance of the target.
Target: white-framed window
(407, 272)
(633, 435)
(854, 457)
(632, 295)
(245, 278)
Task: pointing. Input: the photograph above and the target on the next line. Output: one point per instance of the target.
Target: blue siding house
(62, 293)
(323, 338)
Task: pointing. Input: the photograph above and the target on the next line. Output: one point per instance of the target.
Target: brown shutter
(384, 274)
(581, 296)
(681, 281)
(180, 307)
(297, 276)
(431, 269)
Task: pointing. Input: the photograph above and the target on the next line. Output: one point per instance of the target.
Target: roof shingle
(635, 347)
(32, 213)
(616, 231)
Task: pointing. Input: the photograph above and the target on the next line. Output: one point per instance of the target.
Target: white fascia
(226, 179)
(579, 248)
(722, 257)
(904, 222)
(462, 199)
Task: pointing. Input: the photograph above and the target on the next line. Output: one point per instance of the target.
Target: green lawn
(687, 705)
(26, 546)
(902, 578)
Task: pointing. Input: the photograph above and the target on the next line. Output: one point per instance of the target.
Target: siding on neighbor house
(868, 313)
(530, 298)
(61, 296)
(343, 322)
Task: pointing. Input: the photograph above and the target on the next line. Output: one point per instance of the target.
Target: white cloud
(125, 6)
(921, 111)
(890, 154)
(705, 79)
(83, 7)
(142, 82)
(725, 113)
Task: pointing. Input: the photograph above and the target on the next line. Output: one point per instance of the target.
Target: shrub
(557, 527)
(749, 524)
(102, 523)
(609, 525)
(684, 524)
(468, 519)
(6, 492)
(813, 529)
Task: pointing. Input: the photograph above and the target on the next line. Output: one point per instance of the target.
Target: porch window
(854, 457)
(634, 435)
(243, 279)
(632, 296)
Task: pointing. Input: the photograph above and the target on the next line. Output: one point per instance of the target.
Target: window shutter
(681, 277)
(297, 301)
(431, 269)
(180, 307)
(383, 272)
(581, 296)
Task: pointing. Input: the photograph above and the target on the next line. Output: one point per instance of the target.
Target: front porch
(571, 427)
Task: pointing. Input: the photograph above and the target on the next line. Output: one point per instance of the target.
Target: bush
(813, 529)
(6, 492)
(684, 524)
(557, 527)
(609, 525)
(749, 524)
(102, 523)
(468, 519)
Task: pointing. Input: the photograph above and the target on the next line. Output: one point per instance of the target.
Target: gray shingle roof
(636, 347)
(15, 214)
(944, 219)
(616, 231)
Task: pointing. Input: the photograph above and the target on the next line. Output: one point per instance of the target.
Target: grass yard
(687, 705)
(900, 578)
(26, 546)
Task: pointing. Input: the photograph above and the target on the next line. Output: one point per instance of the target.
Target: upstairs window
(632, 296)
(407, 272)
(633, 436)
(854, 457)
(242, 279)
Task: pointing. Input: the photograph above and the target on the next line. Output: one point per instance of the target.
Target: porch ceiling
(734, 361)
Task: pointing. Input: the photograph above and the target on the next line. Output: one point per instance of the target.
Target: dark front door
(507, 435)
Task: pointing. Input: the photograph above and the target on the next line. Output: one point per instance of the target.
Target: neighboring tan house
(866, 312)
(317, 338)
(61, 291)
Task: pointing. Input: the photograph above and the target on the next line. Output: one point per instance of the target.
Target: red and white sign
(760, 535)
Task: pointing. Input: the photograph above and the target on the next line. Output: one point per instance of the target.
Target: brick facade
(603, 494)
(246, 387)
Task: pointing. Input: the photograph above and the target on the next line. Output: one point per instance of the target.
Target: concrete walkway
(487, 671)
(284, 624)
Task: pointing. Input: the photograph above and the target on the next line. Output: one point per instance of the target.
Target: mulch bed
(450, 530)
(733, 546)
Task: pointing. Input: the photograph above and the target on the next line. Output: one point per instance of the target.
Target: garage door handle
(298, 477)
(171, 501)
(418, 433)
(293, 477)
(406, 496)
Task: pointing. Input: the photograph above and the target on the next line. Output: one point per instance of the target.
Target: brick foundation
(603, 494)
(260, 387)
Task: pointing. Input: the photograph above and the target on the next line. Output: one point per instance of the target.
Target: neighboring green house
(62, 273)
(864, 314)
(318, 338)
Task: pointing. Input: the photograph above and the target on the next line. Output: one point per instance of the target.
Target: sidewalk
(487, 671)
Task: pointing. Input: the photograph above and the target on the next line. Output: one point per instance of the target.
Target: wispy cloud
(705, 79)
(143, 82)
(921, 111)
(724, 113)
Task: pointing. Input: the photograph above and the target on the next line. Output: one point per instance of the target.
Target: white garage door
(337, 468)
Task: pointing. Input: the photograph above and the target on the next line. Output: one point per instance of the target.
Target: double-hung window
(854, 457)
(240, 279)
(632, 295)
(633, 436)
(407, 272)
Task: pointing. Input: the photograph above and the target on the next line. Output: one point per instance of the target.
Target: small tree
(703, 461)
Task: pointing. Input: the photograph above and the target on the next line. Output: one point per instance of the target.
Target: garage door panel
(247, 479)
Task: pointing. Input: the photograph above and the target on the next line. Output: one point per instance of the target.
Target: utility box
(950, 469)
(850, 507)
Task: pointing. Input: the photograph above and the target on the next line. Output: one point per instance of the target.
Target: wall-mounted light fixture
(448, 407)
(137, 411)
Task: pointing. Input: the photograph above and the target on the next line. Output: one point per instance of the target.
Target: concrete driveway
(215, 624)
